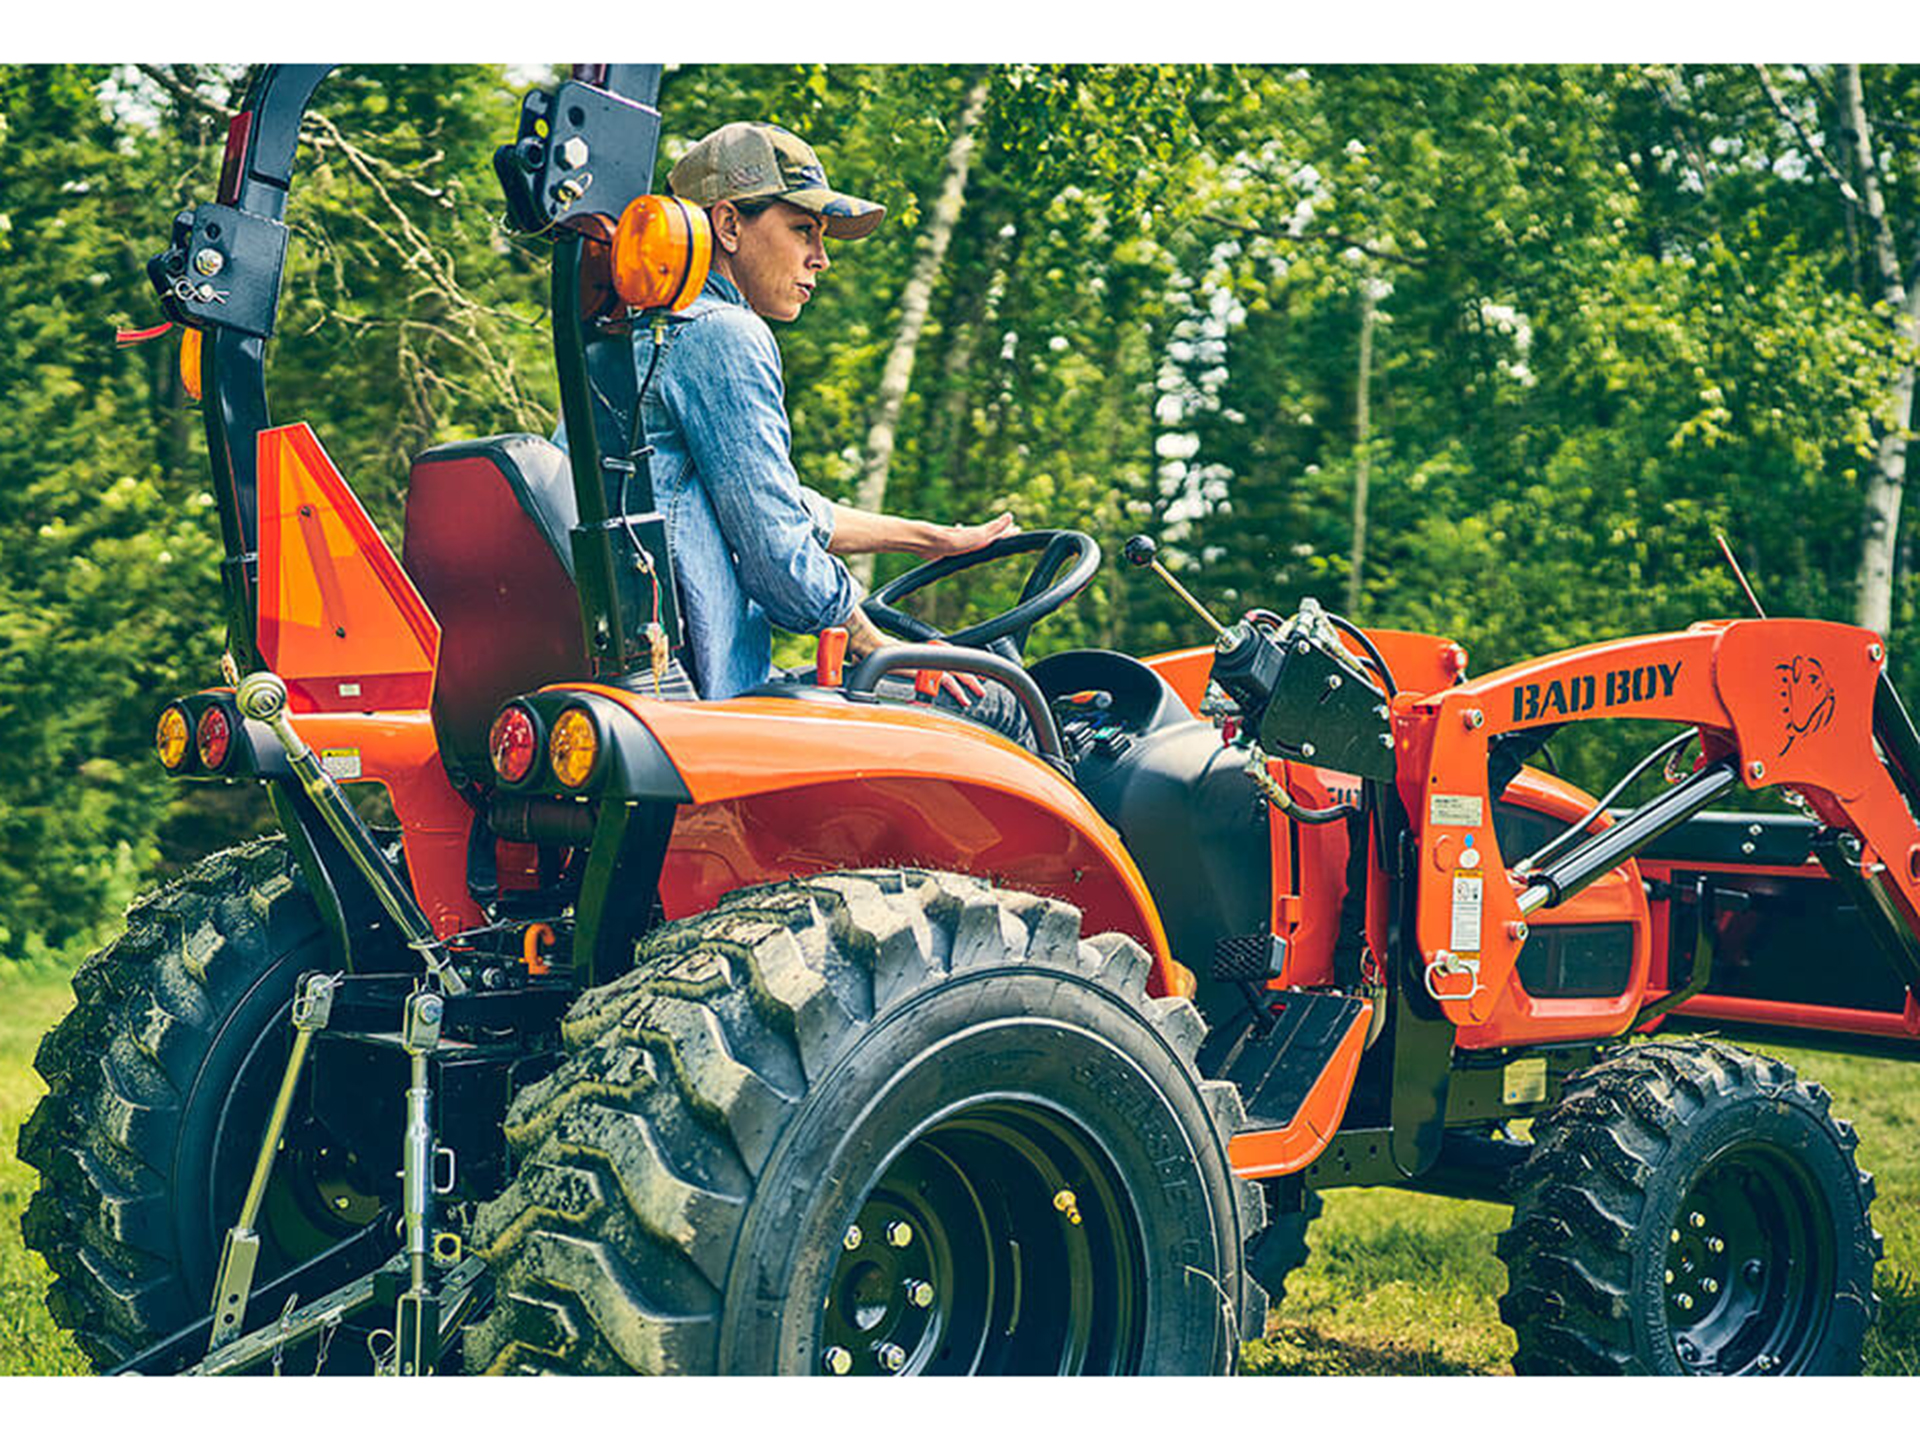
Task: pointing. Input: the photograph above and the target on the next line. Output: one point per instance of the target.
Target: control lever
(1141, 550)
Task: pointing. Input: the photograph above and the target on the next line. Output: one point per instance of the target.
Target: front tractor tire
(868, 1123)
(160, 1079)
(1690, 1209)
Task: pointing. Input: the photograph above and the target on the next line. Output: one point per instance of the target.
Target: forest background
(1489, 351)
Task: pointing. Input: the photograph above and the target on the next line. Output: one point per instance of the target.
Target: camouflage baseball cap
(748, 161)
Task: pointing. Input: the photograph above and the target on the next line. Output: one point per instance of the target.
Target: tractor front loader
(819, 1031)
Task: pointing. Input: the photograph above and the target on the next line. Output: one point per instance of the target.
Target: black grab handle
(963, 661)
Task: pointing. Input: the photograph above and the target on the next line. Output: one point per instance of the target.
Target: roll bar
(221, 274)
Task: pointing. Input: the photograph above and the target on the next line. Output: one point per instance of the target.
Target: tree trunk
(1888, 479)
(914, 303)
(1362, 461)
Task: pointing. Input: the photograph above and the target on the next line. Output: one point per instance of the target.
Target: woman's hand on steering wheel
(963, 539)
(1047, 588)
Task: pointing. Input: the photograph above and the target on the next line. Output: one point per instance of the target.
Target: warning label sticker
(341, 764)
(1454, 810)
(1465, 930)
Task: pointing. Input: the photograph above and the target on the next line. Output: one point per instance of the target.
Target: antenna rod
(1739, 574)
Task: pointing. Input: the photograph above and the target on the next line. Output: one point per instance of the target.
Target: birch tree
(1889, 280)
(915, 302)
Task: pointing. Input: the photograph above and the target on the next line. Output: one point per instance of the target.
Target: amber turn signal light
(573, 748)
(513, 743)
(171, 736)
(190, 360)
(661, 251)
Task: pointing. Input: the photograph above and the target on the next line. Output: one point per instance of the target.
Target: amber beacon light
(661, 251)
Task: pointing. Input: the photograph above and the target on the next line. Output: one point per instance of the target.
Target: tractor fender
(774, 787)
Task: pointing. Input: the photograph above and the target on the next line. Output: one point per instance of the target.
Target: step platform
(1277, 1072)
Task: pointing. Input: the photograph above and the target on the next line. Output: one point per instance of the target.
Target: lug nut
(837, 1360)
(892, 1357)
(919, 1294)
(1674, 1238)
(1685, 1302)
(899, 1234)
(1716, 1244)
(852, 1239)
(1697, 1220)
(1669, 1277)
(1710, 1285)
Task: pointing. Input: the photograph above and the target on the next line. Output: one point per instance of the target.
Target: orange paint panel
(1790, 700)
(1186, 671)
(339, 620)
(1256, 1154)
(786, 786)
(398, 750)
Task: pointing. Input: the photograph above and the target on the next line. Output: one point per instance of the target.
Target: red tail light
(213, 737)
(513, 744)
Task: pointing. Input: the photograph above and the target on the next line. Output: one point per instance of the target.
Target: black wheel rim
(1749, 1266)
(999, 1240)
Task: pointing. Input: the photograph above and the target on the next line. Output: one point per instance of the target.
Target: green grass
(1399, 1284)
(1404, 1284)
(31, 1000)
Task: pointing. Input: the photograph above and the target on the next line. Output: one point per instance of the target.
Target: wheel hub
(1746, 1261)
(962, 1258)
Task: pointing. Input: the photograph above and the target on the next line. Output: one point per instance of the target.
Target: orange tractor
(816, 1031)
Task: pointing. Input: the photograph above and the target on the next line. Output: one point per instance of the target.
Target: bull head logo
(1806, 699)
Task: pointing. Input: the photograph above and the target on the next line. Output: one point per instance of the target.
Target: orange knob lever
(830, 657)
(538, 936)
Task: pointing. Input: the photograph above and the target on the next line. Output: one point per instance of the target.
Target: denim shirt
(749, 540)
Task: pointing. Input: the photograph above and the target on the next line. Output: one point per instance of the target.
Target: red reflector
(213, 737)
(512, 744)
(231, 167)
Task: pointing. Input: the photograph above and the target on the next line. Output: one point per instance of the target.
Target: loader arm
(1798, 704)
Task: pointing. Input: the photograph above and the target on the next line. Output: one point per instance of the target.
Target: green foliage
(1617, 309)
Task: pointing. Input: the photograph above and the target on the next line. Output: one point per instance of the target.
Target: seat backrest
(487, 544)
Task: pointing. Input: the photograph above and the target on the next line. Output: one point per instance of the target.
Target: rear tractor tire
(160, 1079)
(1690, 1209)
(869, 1123)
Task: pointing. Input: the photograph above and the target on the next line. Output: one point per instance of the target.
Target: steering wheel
(1046, 590)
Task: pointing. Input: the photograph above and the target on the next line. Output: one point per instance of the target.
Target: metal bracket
(223, 268)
